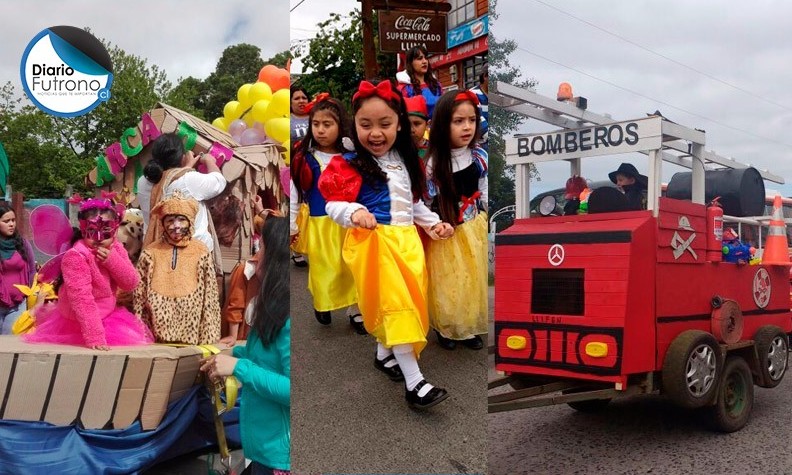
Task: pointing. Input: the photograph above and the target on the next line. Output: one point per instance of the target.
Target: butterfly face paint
(98, 229)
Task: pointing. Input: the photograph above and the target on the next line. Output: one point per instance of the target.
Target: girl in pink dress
(93, 270)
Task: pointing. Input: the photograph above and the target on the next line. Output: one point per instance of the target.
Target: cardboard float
(64, 385)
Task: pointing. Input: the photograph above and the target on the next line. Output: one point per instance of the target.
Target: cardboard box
(98, 389)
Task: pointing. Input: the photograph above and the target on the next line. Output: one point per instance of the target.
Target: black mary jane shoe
(394, 372)
(474, 343)
(299, 261)
(358, 326)
(446, 343)
(433, 397)
(322, 317)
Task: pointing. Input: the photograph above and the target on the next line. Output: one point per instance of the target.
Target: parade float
(612, 302)
(122, 410)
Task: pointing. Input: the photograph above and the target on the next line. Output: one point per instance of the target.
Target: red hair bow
(319, 98)
(467, 96)
(383, 90)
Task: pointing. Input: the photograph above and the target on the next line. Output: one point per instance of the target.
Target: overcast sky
(308, 13)
(183, 38)
(746, 44)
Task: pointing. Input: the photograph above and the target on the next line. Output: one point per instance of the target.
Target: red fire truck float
(602, 305)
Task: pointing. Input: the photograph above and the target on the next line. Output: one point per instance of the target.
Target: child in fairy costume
(457, 182)
(329, 279)
(376, 192)
(93, 270)
(178, 295)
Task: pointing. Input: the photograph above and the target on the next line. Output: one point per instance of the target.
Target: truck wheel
(590, 406)
(691, 369)
(734, 401)
(772, 347)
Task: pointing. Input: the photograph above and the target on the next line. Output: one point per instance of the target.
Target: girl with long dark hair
(17, 266)
(329, 279)
(377, 193)
(263, 365)
(457, 178)
(422, 81)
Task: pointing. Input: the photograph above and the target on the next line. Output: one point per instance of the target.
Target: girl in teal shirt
(263, 364)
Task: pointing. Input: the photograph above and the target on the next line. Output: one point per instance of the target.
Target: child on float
(457, 184)
(93, 270)
(245, 282)
(329, 279)
(419, 123)
(376, 192)
(17, 266)
(177, 296)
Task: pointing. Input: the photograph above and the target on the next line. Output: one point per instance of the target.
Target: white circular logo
(66, 71)
(762, 288)
(556, 254)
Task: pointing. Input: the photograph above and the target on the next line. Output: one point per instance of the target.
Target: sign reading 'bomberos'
(400, 31)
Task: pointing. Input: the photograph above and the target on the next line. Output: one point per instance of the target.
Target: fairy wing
(51, 269)
(51, 229)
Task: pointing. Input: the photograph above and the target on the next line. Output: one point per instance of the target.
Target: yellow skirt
(389, 269)
(458, 281)
(329, 279)
(301, 245)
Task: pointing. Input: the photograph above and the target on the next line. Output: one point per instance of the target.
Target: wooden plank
(133, 387)
(102, 391)
(68, 389)
(155, 400)
(29, 387)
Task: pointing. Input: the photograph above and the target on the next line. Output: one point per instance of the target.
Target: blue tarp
(42, 448)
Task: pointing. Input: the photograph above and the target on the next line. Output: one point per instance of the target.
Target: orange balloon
(277, 78)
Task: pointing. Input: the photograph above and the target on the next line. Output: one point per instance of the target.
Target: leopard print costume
(181, 304)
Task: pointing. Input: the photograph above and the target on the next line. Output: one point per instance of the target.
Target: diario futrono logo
(66, 71)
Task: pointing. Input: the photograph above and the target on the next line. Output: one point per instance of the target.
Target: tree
(41, 166)
(280, 59)
(502, 123)
(238, 65)
(333, 59)
(190, 96)
(137, 87)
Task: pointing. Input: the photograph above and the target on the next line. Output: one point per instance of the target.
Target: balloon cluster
(261, 110)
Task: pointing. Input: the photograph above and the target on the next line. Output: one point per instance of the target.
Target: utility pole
(370, 68)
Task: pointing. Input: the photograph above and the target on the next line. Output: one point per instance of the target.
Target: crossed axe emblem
(681, 245)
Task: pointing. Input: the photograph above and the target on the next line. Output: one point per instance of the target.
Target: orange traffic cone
(775, 250)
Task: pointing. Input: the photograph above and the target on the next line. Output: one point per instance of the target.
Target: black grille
(557, 291)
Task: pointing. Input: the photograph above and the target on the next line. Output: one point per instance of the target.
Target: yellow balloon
(260, 91)
(243, 95)
(232, 110)
(278, 129)
(279, 105)
(220, 123)
(259, 111)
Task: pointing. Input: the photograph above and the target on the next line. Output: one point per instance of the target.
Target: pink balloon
(285, 177)
(258, 126)
(237, 127)
(237, 137)
(252, 137)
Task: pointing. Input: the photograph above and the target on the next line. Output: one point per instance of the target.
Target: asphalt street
(639, 435)
(347, 417)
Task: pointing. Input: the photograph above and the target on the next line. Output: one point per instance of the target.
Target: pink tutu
(122, 328)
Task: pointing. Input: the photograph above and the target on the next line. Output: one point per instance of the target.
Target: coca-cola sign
(400, 31)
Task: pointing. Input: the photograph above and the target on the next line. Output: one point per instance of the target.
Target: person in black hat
(632, 184)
